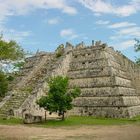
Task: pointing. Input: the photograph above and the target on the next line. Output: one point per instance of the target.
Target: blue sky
(44, 24)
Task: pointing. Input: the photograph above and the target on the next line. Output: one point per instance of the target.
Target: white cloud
(21, 7)
(124, 44)
(68, 33)
(133, 31)
(16, 7)
(102, 22)
(70, 10)
(126, 33)
(126, 37)
(121, 25)
(123, 33)
(12, 34)
(53, 21)
(107, 7)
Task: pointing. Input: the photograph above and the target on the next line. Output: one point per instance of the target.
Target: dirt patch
(118, 132)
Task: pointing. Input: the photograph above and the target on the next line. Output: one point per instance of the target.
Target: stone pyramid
(109, 81)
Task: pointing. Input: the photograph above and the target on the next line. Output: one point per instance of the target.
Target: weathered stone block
(29, 118)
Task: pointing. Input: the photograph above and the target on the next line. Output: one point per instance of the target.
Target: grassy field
(76, 121)
(12, 121)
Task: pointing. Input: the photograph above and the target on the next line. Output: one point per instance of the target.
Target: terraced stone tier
(88, 64)
(88, 55)
(111, 112)
(98, 72)
(106, 101)
(100, 82)
(91, 82)
(107, 92)
(89, 73)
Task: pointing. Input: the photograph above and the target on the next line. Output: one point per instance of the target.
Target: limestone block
(126, 91)
(131, 101)
(134, 111)
(120, 73)
(122, 82)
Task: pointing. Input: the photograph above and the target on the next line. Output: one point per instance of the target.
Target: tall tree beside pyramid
(9, 51)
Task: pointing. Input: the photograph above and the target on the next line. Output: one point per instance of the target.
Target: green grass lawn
(76, 121)
(12, 121)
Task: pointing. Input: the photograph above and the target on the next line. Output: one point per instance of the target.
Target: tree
(3, 84)
(10, 50)
(59, 98)
(137, 49)
(10, 53)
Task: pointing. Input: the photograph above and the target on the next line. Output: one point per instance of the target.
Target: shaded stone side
(106, 83)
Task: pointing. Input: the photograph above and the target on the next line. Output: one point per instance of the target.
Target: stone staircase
(15, 101)
(28, 83)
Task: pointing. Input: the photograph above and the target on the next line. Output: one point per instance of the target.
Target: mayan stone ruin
(109, 82)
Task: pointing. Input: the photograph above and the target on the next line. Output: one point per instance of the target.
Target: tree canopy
(10, 50)
(59, 98)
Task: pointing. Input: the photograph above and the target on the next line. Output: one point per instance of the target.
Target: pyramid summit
(109, 82)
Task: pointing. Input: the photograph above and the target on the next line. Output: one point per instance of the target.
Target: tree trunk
(45, 116)
(63, 116)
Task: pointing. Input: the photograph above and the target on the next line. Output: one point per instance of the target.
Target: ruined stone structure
(109, 82)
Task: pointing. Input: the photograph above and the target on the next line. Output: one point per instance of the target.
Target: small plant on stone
(59, 51)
